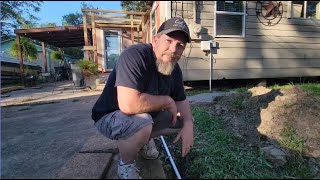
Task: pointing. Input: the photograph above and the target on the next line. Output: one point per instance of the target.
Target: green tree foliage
(48, 24)
(112, 60)
(72, 19)
(138, 6)
(12, 16)
(75, 52)
(76, 18)
(29, 50)
(85, 5)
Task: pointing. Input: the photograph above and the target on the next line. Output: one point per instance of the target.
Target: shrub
(56, 55)
(88, 67)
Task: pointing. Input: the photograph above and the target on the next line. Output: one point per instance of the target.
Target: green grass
(195, 92)
(291, 140)
(313, 88)
(287, 86)
(237, 103)
(219, 154)
(241, 89)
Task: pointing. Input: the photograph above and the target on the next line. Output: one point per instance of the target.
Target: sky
(52, 11)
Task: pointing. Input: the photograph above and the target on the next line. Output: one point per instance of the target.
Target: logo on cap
(180, 23)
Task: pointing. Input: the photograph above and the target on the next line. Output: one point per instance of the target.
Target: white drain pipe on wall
(170, 158)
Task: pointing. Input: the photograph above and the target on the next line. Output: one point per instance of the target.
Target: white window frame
(153, 12)
(168, 9)
(290, 11)
(104, 41)
(231, 13)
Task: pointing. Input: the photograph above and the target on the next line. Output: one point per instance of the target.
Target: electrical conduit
(170, 158)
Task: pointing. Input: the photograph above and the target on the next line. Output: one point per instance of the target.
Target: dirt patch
(261, 116)
(12, 88)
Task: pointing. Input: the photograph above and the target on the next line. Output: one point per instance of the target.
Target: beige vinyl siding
(250, 73)
(289, 49)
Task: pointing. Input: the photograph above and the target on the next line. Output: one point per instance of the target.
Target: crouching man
(144, 97)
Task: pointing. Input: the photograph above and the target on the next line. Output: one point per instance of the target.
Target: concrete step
(92, 161)
(98, 159)
(149, 169)
(99, 87)
(86, 166)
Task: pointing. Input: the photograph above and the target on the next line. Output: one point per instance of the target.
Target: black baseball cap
(174, 24)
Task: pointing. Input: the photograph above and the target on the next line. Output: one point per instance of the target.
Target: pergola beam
(85, 33)
(48, 29)
(94, 39)
(113, 11)
(44, 55)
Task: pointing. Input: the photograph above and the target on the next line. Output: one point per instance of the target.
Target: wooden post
(85, 33)
(132, 33)
(138, 33)
(44, 55)
(94, 43)
(142, 31)
(20, 59)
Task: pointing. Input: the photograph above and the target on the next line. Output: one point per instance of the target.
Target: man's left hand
(187, 136)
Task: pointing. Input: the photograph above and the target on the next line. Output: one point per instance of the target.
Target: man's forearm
(149, 103)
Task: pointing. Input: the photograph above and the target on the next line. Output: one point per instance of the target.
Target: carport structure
(85, 35)
(60, 37)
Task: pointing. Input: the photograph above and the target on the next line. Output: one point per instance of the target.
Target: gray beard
(165, 68)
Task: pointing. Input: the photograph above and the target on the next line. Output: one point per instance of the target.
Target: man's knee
(144, 132)
(117, 125)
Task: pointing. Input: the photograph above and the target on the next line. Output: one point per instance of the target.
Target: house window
(305, 9)
(153, 26)
(230, 19)
(113, 49)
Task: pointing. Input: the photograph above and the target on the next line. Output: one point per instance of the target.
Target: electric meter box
(206, 45)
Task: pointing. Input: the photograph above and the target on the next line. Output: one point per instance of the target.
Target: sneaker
(149, 151)
(128, 171)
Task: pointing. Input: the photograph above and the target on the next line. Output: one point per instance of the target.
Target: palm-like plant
(56, 55)
(88, 67)
(29, 50)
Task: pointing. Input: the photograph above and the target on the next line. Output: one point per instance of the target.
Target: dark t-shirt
(136, 69)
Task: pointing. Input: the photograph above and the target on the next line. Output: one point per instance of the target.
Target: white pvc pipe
(210, 68)
(170, 158)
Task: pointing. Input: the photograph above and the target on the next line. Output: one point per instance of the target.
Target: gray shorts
(117, 125)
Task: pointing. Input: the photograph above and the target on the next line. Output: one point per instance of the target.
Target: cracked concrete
(48, 133)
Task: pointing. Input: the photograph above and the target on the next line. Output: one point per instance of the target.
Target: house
(230, 39)
(249, 39)
(10, 65)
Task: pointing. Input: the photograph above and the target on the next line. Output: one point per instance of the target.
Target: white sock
(121, 162)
